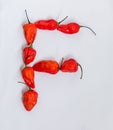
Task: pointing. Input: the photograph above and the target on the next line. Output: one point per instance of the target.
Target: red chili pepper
(49, 24)
(28, 76)
(28, 55)
(30, 31)
(71, 28)
(30, 98)
(71, 65)
(48, 66)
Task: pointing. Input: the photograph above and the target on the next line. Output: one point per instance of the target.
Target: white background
(65, 102)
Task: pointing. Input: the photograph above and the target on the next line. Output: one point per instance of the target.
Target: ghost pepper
(30, 31)
(49, 24)
(29, 55)
(71, 65)
(47, 66)
(28, 76)
(30, 98)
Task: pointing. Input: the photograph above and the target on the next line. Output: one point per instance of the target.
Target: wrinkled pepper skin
(50, 24)
(69, 65)
(70, 28)
(30, 32)
(28, 76)
(47, 66)
(30, 99)
(29, 55)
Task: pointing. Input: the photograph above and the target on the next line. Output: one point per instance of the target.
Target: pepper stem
(61, 62)
(27, 16)
(62, 20)
(25, 65)
(89, 29)
(31, 46)
(29, 88)
(81, 70)
(24, 84)
(21, 82)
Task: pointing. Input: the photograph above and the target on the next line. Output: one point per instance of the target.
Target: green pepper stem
(62, 20)
(24, 84)
(31, 46)
(81, 70)
(89, 29)
(25, 65)
(21, 82)
(27, 16)
(29, 88)
(61, 63)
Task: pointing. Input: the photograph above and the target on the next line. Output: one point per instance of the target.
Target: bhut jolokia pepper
(72, 28)
(29, 54)
(30, 31)
(47, 66)
(49, 24)
(71, 65)
(30, 98)
(28, 76)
